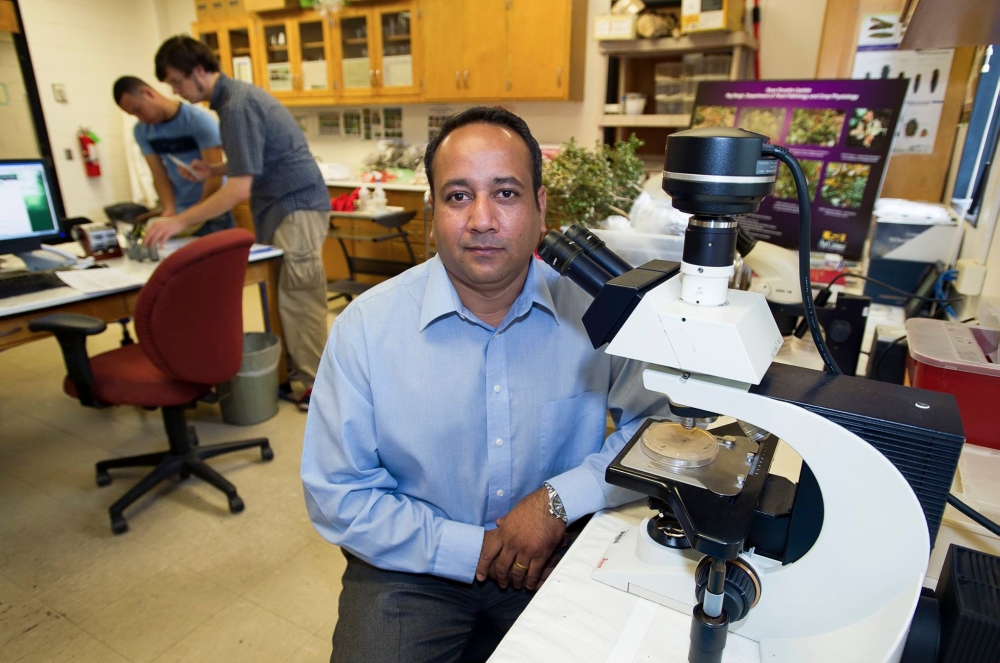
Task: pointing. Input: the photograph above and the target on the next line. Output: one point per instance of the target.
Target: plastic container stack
(677, 82)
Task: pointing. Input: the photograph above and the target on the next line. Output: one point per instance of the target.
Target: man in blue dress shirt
(458, 419)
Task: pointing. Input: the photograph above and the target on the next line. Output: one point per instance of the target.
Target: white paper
(279, 76)
(92, 281)
(356, 72)
(314, 75)
(243, 68)
(398, 70)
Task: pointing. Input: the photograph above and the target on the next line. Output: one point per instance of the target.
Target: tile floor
(189, 581)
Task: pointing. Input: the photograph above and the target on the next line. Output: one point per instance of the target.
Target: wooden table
(17, 312)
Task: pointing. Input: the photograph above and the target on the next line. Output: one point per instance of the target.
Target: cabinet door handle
(378, 76)
(466, 79)
(458, 78)
(371, 77)
(559, 77)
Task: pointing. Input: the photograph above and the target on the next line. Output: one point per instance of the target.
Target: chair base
(184, 458)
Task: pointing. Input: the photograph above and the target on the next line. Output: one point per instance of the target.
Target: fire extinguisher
(88, 146)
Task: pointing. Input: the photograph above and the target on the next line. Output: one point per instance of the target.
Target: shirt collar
(221, 85)
(441, 299)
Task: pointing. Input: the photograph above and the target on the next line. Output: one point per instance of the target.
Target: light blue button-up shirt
(426, 424)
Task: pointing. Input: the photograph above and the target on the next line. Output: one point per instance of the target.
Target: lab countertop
(388, 186)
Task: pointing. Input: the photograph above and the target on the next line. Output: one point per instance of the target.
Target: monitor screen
(27, 214)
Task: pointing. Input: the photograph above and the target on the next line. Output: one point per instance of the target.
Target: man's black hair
(127, 85)
(495, 115)
(184, 54)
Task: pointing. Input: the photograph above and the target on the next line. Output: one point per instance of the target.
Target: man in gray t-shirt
(268, 161)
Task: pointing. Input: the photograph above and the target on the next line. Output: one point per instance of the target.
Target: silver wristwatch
(556, 507)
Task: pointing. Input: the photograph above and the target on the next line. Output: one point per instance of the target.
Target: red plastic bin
(962, 360)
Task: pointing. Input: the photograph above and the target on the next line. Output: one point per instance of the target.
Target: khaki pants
(302, 289)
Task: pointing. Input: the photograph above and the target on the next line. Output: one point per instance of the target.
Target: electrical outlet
(971, 277)
(59, 93)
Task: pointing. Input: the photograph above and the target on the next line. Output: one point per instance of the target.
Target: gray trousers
(302, 289)
(390, 617)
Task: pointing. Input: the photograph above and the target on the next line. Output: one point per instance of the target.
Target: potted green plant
(586, 186)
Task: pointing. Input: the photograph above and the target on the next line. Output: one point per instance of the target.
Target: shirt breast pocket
(571, 429)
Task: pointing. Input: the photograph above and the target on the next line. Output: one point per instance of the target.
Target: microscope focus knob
(742, 586)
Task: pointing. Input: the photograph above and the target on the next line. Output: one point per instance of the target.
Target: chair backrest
(189, 316)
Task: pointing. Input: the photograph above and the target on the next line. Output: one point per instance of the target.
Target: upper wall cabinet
(232, 43)
(378, 55)
(504, 49)
(296, 52)
(466, 49)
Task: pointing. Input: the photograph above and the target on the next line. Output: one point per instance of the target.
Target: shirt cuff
(581, 493)
(458, 552)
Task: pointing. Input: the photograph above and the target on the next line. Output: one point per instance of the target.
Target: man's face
(486, 222)
(189, 87)
(142, 105)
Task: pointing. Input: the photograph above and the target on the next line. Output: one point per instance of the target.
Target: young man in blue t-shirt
(168, 130)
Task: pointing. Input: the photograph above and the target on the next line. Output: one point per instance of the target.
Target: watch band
(556, 507)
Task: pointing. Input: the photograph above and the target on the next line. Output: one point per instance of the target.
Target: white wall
(86, 45)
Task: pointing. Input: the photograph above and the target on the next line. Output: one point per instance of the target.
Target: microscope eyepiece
(569, 259)
(597, 250)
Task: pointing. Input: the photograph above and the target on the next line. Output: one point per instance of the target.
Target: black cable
(971, 513)
(877, 362)
(805, 247)
(883, 284)
(968, 320)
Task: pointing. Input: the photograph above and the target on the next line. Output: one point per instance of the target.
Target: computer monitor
(27, 213)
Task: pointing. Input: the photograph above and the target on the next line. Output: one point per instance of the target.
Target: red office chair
(189, 320)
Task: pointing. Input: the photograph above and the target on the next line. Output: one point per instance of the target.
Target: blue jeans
(391, 617)
(221, 222)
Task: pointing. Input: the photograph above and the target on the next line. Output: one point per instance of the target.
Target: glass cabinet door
(357, 70)
(279, 66)
(312, 47)
(211, 39)
(396, 51)
(242, 60)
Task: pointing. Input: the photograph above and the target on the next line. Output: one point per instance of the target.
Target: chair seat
(125, 376)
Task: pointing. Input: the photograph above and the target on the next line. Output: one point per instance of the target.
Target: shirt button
(499, 442)
(499, 493)
(496, 388)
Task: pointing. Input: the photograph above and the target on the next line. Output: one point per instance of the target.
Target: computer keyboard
(23, 283)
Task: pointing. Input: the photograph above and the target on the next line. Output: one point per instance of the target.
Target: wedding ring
(519, 566)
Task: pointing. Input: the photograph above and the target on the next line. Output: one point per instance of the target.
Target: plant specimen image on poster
(816, 126)
(714, 116)
(784, 186)
(766, 121)
(869, 128)
(844, 184)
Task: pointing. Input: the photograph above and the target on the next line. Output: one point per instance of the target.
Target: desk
(575, 618)
(17, 312)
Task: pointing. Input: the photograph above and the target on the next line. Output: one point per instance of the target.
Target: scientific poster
(840, 131)
(879, 57)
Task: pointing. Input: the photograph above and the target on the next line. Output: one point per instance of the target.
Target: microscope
(828, 567)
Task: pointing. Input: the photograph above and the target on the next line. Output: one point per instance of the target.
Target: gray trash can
(252, 396)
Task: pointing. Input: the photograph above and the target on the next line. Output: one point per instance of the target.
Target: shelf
(242, 51)
(276, 47)
(685, 44)
(356, 40)
(313, 44)
(662, 121)
(396, 38)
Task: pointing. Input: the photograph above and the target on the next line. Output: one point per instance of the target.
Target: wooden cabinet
(296, 53)
(504, 49)
(465, 45)
(232, 43)
(378, 56)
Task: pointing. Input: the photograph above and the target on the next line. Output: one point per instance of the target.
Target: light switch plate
(59, 93)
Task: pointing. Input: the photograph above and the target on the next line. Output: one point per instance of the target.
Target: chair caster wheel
(118, 525)
(103, 478)
(266, 453)
(235, 504)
